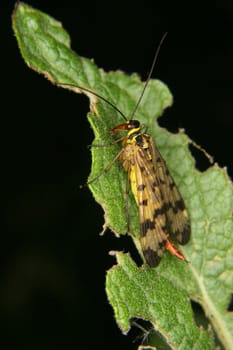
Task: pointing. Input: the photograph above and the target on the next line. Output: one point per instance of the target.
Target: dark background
(53, 261)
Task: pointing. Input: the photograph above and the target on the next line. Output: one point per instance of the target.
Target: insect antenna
(97, 95)
(142, 93)
(149, 75)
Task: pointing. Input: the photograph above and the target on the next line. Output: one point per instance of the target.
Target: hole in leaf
(123, 243)
(202, 321)
(169, 122)
(199, 315)
(202, 159)
(230, 306)
(143, 333)
(140, 330)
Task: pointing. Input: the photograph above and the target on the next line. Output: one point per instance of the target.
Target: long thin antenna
(142, 93)
(149, 75)
(97, 95)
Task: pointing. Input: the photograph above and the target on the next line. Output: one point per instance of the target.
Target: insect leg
(105, 170)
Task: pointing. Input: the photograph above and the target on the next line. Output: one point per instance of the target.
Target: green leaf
(135, 292)
(159, 295)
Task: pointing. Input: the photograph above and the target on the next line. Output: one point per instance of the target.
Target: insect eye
(133, 124)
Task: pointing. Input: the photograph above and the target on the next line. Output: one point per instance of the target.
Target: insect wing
(151, 214)
(174, 208)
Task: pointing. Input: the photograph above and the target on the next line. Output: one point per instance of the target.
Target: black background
(53, 262)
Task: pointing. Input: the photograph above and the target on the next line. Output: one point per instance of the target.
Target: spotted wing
(150, 202)
(176, 214)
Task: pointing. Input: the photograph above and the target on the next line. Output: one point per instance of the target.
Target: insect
(161, 208)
